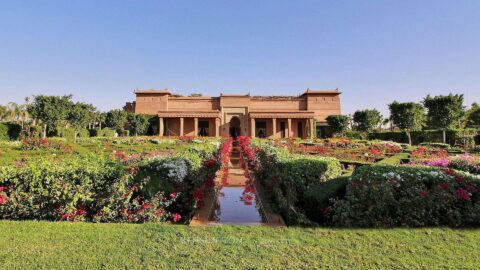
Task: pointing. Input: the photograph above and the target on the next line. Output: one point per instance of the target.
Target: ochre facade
(235, 115)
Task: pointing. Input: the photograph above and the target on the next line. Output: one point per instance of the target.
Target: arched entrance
(235, 127)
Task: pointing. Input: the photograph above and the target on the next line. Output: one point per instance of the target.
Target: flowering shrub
(121, 188)
(428, 153)
(466, 163)
(225, 150)
(35, 143)
(386, 196)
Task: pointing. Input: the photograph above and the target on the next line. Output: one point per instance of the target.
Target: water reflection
(237, 205)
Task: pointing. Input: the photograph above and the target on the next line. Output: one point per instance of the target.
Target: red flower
(3, 199)
(176, 217)
(173, 195)
(463, 194)
(211, 163)
(208, 183)
(146, 205)
(82, 211)
(444, 185)
(424, 194)
(198, 194)
(134, 188)
(160, 212)
(460, 179)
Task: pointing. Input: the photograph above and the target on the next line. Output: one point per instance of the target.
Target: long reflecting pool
(237, 205)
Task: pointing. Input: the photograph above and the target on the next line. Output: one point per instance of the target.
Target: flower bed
(122, 188)
(387, 196)
(348, 150)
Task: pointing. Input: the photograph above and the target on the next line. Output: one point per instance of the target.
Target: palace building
(302, 116)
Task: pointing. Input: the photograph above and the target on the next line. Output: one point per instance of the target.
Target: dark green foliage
(472, 116)
(453, 137)
(79, 115)
(407, 116)
(318, 199)
(367, 120)
(289, 176)
(338, 123)
(52, 111)
(444, 112)
(116, 119)
(10, 131)
(138, 123)
(388, 196)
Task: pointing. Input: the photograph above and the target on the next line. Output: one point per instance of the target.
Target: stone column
(181, 126)
(290, 133)
(311, 128)
(217, 127)
(195, 123)
(252, 127)
(274, 127)
(160, 126)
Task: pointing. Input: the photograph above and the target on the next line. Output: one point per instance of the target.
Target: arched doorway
(235, 129)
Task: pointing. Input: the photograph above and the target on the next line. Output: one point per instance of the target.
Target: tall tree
(338, 123)
(138, 123)
(444, 112)
(50, 110)
(116, 119)
(79, 116)
(472, 116)
(408, 116)
(367, 120)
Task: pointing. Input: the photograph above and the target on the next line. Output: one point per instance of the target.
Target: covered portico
(286, 124)
(182, 123)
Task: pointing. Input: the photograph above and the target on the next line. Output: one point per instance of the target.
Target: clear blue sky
(374, 51)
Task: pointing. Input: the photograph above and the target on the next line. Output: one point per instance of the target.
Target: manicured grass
(35, 245)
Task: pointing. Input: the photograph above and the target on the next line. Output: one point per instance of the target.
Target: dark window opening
(300, 130)
(203, 128)
(261, 129)
(282, 129)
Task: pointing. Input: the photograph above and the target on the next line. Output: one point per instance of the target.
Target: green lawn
(85, 245)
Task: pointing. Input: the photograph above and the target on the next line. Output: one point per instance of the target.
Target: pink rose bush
(388, 196)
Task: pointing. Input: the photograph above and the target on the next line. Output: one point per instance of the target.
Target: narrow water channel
(237, 202)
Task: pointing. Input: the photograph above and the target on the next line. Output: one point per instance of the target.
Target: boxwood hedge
(289, 176)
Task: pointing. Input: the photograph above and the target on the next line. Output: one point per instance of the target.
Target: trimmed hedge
(10, 131)
(431, 136)
(389, 196)
(106, 132)
(289, 176)
(319, 198)
(436, 145)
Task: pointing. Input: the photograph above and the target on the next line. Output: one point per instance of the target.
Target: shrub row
(289, 176)
(106, 132)
(389, 196)
(455, 136)
(9, 131)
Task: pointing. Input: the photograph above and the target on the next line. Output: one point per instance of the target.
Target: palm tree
(3, 111)
(13, 112)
